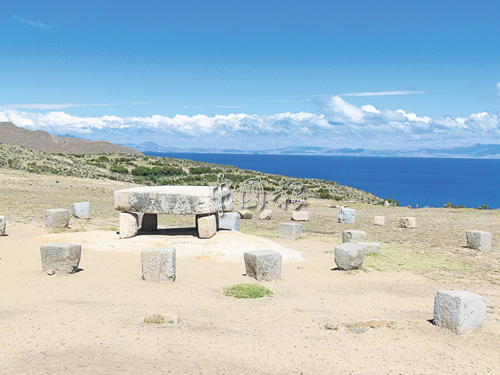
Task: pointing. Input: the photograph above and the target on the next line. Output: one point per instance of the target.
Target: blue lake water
(411, 181)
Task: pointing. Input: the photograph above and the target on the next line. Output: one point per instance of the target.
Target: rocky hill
(42, 141)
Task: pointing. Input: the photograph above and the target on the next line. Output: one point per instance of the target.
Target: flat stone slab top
(174, 200)
(263, 264)
(226, 246)
(460, 311)
(479, 240)
(61, 257)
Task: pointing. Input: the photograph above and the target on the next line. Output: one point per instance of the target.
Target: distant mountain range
(491, 151)
(42, 141)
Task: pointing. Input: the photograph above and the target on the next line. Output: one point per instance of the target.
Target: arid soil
(91, 322)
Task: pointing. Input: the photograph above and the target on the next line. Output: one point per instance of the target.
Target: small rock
(265, 214)
(246, 214)
(51, 272)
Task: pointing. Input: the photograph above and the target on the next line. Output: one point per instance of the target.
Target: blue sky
(254, 74)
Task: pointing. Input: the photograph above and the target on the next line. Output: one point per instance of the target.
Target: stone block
(379, 220)
(479, 240)
(158, 264)
(460, 311)
(263, 264)
(207, 226)
(57, 218)
(230, 220)
(245, 214)
(407, 222)
(289, 230)
(349, 256)
(3, 224)
(300, 215)
(129, 224)
(265, 214)
(61, 257)
(370, 247)
(353, 236)
(347, 215)
(81, 210)
(148, 222)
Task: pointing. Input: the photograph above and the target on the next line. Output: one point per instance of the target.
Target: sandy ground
(91, 321)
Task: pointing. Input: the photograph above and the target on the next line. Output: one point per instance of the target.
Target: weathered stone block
(349, 256)
(61, 257)
(479, 240)
(263, 264)
(129, 224)
(407, 222)
(56, 218)
(289, 230)
(460, 311)
(158, 264)
(207, 226)
(148, 222)
(370, 247)
(379, 220)
(3, 224)
(300, 215)
(347, 215)
(265, 214)
(230, 220)
(353, 236)
(245, 214)
(81, 210)
(174, 199)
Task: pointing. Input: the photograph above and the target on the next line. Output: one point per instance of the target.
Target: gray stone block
(148, 222)
(370, 247)
(479, 240)
(379, 220)
(349, 256)
(265, 214)
(460, 311)
(263, 264)
(57, 218)
(300, 215)
(230, 220)
(158, 264)
(407, 222)
(61, 257)
(3, 224)
(81, 210)
(353, 236)
(129, 224)
(207, 225)
(245, 214)
(347, 215)
(290, 230)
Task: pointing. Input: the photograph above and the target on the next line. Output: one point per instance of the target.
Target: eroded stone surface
(56, 218)
(349, 256)
(173, 199)
(81, 210)
(230, 220)
(129, 224)
(158, 264)
(353, 235)
(61, 257)
(479, 240)
(460, 311)
(300, 215)
(290, 230)
(347, 215)
(407, 222)
(263, 264)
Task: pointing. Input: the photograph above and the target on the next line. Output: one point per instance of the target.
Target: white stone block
(245, 214)
(3, 224)
(347, 215)
(129, 224)
(158, 264)
(353, 235)
(57, 218)
(61, 257)
(289, 230)
(230, 221)
(300, 215)
(370, 247)
(460, 311)
(349, 256)
(265, 214)
(263, 264)
(407, 222)
(81, 210)
(207, 226)
(379, 220)
(479, 240)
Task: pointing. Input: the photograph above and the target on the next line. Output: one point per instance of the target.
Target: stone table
(176, 200)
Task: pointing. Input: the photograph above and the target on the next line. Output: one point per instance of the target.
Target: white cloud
(383, 93)
(229, 106)
(31, 23)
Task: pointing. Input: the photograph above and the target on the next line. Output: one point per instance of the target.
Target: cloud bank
(337, 124)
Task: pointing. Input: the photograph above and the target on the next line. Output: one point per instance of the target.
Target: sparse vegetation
(154, 319)
(247, 291)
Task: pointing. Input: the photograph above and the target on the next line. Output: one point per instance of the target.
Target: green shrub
(119, 169)
(247, 291)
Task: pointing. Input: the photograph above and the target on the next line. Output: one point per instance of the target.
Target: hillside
(150, 170)
(42, 141)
